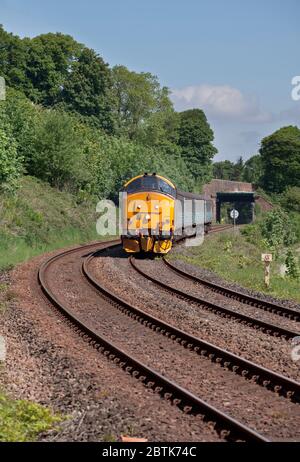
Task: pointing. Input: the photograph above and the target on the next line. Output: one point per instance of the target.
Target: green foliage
(252, 233)
(22, 421)
(238, 170)
(87, 90)
(223, 170)
(242, 264)
(57, 152)
(280, 155)
(293, 270)
(10, 165)
(195, 140)
(290, 199)
(54, 69)
(87, 129)
(20, 117)
(38, 218)
(249, 171)
(277, 230)
(252, 170)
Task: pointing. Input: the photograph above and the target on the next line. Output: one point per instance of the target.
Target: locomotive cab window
(150, 183)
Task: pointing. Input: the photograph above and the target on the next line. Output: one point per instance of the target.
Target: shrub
(10, 164)
(277, 230)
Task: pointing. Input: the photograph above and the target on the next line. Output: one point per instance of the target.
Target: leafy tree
(87, 90)
(280, 155)
(238, 170)
(54, 69)
(290, 200)
(195, 140)
(138, 98)
(21, 116)
(252, 170)
(223, 170)
(49, 62)
(12, 59)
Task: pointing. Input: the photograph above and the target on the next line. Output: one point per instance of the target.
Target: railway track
(227, 427)
(218, 228)
(266, 327)
(261, 375)
(237, 295)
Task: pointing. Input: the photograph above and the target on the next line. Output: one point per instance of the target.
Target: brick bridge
(235, 192)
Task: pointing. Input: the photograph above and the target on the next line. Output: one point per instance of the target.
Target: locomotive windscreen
(150, 183)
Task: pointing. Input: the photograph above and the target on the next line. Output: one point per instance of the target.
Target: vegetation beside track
(22, 420)
(237, 258)
(39, 218)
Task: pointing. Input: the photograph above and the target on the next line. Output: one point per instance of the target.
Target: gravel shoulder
(48, 363)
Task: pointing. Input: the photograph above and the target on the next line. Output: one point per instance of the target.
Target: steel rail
(261, 375)
(228, 427)
(235, 294)
(268, 328)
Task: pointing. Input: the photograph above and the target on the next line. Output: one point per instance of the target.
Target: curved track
(227, 426)
(237, 295)
(261, 375)
(255, 323)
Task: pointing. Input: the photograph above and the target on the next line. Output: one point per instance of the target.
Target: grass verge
(237, 260)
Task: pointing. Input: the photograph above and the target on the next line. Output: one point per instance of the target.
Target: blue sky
(234, 59)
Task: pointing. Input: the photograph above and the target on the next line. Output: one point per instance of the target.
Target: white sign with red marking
(266, 257)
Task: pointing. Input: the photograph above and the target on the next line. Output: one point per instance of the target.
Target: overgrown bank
(237, 258)
(39, 218)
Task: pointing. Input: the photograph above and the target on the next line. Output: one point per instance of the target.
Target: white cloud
(221, 102)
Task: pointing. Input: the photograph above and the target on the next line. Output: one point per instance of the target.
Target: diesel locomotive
(155, 214)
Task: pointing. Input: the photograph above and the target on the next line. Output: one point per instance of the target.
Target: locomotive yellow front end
(148, 214)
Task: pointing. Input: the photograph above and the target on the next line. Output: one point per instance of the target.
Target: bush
(292, 267)
(290, 200)
(277, 230)
(57, 151)
(10, 165)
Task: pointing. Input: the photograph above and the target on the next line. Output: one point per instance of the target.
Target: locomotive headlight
(148, 217)
(157, 207)
(138, 207)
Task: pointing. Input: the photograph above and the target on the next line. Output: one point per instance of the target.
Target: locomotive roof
(189, 195)
(155, 175)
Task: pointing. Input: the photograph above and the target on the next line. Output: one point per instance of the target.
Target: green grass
(238, 260)
(38, 219)
(22, 421)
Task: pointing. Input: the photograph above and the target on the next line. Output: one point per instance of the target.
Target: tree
(280, 155)
(223, 170)
(238, 170)
(253, 170)
(12, 59)
(195, 140)
(55, 70)
(139, 98)
(21, 116)
(290, 200)
(87, 90)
